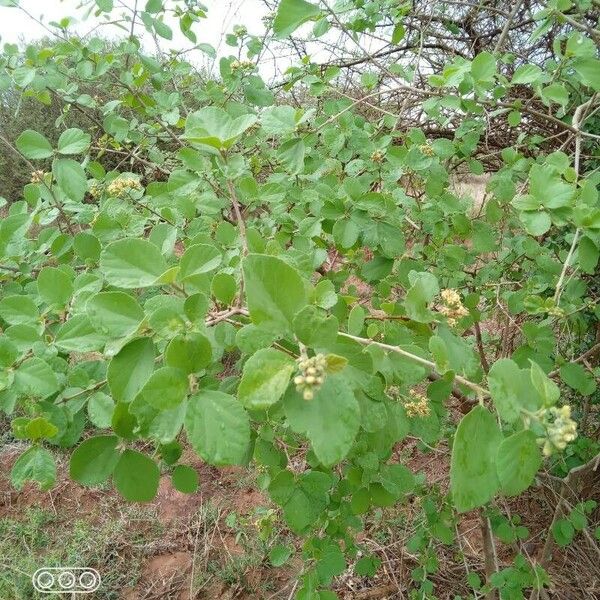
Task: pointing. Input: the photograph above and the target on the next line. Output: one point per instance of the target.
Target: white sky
(17, 27)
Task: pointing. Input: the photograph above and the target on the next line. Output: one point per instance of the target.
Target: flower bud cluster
(452, 308)
(122, 186)
(426, 149)
(242, 65)
(240, 31)
(417, 405)
(560, 429)
(96, 189)
(312, 375)
(37, 176)
(377, 156)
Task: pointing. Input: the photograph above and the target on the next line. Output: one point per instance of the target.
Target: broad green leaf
(71, 178)
(213, 127)
(578, 378)
(265, 378)
(35, 377)
(73, 141)
(588, 69)
(218, 428)
(185, 479)
(40, 428)
(190, 353)
(198, 259)
(291, 14)
(224, 288)
(424, 288)
(132, 263)
(87, 246)
(166, 388)
(483, 67)
(291, 156)
(473, 478)
(114, 314)
(279, 554)
(275, 291)
(546, 388)
(136, 476)
(36, 464)
(526, 74)
(279, 120)
(330, 420)
(101, 408)
(17, 310)
(129, 370)
(33, 145)
(588, 254)
(517, 462)
(79, 335)
(509, 389)
(54, 286)
(313, 327)
(94, 460)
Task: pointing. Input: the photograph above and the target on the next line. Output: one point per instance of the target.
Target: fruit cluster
(312, 375)
(122, 186)
(37, 176)
(417, 405)
(560, 429)
(452, 308)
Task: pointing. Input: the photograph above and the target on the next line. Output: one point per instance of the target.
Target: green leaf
(330, 420)
(94, 460)
(224, 288)
(279, 554)
(79, 335)
(198, 259)
(101, 408)
(483, 67)
(588, 255)
(54, 286)
(166, 388)
(35, 377)
(190, 353)
(40, 428)
(588, 69)
(473, 478)
(114, 314)
(213, 127)
(291, 14)
(185, 479)
(87, 246)
(508, 388)
(526, 74)
(578, 378)
(129, 370)
(291, 156)
(265, 378)
(517, 462)
(73, 141)
(136, 477)
(71, 178)
(279, 120)
(424, 288)
(16, 310)
(314, 327)
(33, 145)
(36, 464)
(275, 291)
(132, 263)
(218, 428)
(563, 532)
(546, 388)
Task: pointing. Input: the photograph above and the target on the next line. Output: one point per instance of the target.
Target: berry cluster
(453, 307)
(37, 176)
(426, 149)
(312, 375)
(122, 186)
(377, 156)
(560, 429)
(417, 405)
(242, 65)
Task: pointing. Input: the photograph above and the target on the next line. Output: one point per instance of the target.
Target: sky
(16, 26)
